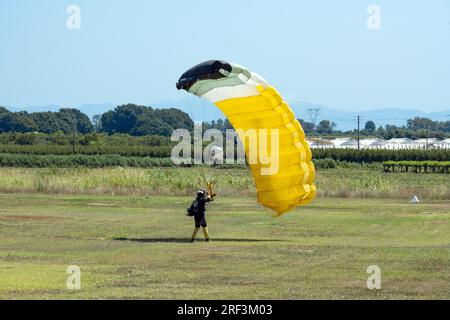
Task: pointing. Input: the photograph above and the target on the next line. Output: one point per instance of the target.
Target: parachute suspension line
(208, 173)
(188, 105)
(190, 111)
(204, 111)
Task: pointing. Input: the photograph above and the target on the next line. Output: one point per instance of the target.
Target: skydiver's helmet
(201, 194)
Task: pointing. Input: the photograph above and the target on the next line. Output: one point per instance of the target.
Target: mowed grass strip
(137, 247)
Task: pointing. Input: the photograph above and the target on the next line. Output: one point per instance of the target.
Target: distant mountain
(33, 109)
(202, 110)
(93, 109)
(347, 120)
(198, 109)
(89, 109)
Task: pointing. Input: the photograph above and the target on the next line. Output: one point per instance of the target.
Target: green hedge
(417, 166)
(371, 155)
(323, 157)
(66, 161)
(128, 151)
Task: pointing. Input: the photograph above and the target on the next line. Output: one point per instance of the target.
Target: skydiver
(198, 210)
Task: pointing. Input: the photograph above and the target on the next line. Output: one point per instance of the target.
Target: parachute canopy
(249, 102)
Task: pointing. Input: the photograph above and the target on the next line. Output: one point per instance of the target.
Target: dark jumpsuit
(200, 215)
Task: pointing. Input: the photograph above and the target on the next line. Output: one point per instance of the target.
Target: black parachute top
(205, 70)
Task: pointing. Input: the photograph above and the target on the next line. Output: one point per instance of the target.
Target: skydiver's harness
(193, 209)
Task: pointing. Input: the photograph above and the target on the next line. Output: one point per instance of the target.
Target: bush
(26, 139)
(326, 163)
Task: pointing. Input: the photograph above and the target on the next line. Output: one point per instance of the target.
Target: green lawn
(136, 247)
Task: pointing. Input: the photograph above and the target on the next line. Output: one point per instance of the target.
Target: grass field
(136, 247)
(340, 183)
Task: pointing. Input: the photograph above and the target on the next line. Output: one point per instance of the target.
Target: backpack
(193, 209)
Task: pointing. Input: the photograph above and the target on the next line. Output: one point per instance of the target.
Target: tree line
(415, 128)
(138, 120)
(132, 119)
(65, 120)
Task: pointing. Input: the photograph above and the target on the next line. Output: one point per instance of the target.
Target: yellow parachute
(250, 103)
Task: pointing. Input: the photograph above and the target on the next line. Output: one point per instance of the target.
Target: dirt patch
(102, 204)
(25, 218)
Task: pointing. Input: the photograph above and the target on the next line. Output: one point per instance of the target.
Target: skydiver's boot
(206, 233)
(194, 234)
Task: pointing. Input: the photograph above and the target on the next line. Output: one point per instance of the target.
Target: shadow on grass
(186, 240)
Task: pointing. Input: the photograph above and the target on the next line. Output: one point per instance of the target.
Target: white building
(339, 141)
(441, 144)
(370, 143)
(401, 143)
(375, 143)
(319, 143)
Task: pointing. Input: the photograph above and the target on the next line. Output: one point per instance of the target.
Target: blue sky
(315, 51)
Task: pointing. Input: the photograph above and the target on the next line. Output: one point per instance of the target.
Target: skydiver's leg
(196, 228)
(206, 233)
(205, 229)
(194, 233)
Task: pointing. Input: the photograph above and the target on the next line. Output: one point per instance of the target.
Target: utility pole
(73, 134)
(359, 118)
(313, 115)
